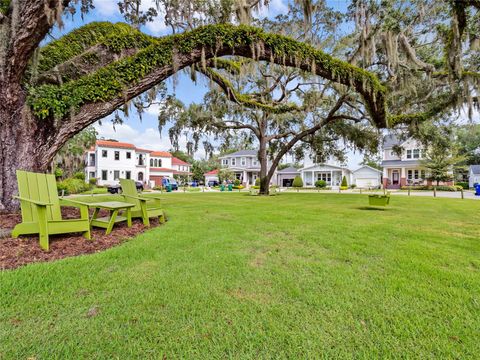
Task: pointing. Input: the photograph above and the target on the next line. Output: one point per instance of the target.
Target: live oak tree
(275, 109)
(49, 94)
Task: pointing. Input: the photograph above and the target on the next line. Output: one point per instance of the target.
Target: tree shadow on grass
(373, 208)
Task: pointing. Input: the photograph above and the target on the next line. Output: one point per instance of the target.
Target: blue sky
(145, 133)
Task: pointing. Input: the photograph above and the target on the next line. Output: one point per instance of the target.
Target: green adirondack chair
(40, 207)
(145, 207)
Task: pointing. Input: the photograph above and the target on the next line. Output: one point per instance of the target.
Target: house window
(151, 162)
(416, 153)
(104, 174)
(416, 174)
(128, 175)
(392, 153)
(129, 155)
(234, 161)
(243, 161)
(116, 174)
(92, 175)
(224, 161)
(117, 155)
(409, 154)
(238, 176)
(159, 162)
(327, 177)
(104, 153)
(254, 162)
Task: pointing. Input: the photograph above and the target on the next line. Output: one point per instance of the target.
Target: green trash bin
(230, 187)
(222, 187)
(169, 188)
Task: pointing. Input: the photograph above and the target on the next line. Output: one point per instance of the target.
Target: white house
(367, 177)
(111, 160)
(331, 174)
(285, 176)
(404, 168)
(211, 176)
(473, 175)
(181, 167)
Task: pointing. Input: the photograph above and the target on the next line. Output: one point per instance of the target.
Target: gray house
(473, 175)
(285, 176)
(244, 164)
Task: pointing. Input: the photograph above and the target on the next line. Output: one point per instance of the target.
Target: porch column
(385, 178)
(403, 177)
(331, 177)
(312, 178)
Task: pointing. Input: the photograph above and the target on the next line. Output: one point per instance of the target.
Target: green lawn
(235, 276)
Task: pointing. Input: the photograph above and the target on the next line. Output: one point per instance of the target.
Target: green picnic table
(114, 207)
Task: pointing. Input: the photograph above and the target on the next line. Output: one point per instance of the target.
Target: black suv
(115, 189)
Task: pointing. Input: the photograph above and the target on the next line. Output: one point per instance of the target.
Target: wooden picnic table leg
(129, 217)
(113, 216)
(95, 214)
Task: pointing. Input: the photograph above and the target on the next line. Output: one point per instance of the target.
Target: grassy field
(236, 276)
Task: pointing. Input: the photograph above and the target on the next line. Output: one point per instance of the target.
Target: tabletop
(112, 205)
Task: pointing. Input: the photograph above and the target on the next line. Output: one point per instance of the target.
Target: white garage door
(367, 182)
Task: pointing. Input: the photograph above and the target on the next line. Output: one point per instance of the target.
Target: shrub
(343, 187)
(79, 175)
(93, 181)
(353, 186)
(320, 184)
(72, 186)
(297, 182)
(58, 173)
(238, 187)
(430, 188)
(236, 182)
(344, 183)
(255, 187)
(464, 185)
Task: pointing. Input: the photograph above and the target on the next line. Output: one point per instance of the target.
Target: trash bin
(477, 189)
(230, 187)
(222, 187)
(168, 188)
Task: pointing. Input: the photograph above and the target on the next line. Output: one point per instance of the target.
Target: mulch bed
(26, 249)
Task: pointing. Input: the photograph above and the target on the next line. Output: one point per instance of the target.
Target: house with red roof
(111, 160)
(211, 176)
(181, 167)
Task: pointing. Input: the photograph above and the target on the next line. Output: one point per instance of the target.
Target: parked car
(116, 188)
(212, 183)
(170, 181)
(194, 183)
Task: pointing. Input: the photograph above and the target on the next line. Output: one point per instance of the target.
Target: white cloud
(275, 7)
(106, 7)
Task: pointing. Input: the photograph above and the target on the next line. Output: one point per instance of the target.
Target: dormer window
(409, 154)
(416, 153)
(234, 161)
(243, 161)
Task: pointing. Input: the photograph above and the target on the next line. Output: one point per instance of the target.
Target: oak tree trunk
(262, 157)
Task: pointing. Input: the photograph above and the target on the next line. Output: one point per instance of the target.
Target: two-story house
(405, 167)
(244, 164)
(180, 167)
(111, 160)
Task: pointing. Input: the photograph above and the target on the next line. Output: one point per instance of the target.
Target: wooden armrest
(134, 197)
(36, 202)
(151, 197)
(72, 202)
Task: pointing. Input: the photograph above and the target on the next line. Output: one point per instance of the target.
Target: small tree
(257, 181)
(225, 175)
(344, 182)
(297, 182)
(321, 184)
(439, 166)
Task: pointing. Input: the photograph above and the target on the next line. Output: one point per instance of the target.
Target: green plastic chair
(40, 206)
(379, 200)
(145, 207)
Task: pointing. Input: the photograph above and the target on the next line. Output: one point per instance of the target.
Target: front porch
(333, 178)
(246, 177)
(397, 177)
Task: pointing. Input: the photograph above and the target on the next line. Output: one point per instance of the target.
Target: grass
(234, 276)
(96, 190)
